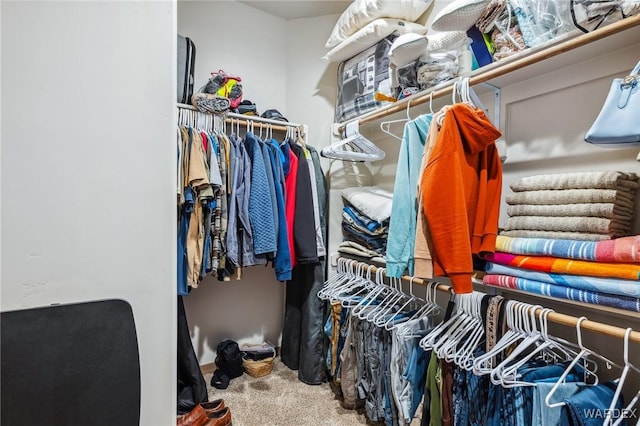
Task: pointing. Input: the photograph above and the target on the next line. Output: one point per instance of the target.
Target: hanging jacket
(461, 188)
(316, 205)
(272, 189)
(282, 261)
(290, 169)
(402, 224)
(239, 235)
(423, 262)
(260, 201)
(321, 184)
(304, 232)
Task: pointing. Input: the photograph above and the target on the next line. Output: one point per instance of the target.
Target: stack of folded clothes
(603, 273)
(588, 206)
(365, 219)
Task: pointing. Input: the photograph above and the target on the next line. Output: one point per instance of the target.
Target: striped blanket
(624, 250)
(581, 282)
(555, 265)
(546, 289)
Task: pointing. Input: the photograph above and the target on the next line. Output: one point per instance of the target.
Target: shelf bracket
(496, 102)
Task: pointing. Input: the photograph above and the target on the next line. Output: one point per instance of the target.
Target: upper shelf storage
(556, 54)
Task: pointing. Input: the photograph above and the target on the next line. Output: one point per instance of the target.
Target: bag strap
(636, 69)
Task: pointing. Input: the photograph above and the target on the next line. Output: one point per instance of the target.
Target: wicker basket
(258, 368)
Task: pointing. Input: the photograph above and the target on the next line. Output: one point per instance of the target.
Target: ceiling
(294, 9)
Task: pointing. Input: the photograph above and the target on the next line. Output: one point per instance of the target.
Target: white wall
(88, 169)
(242, 41)
(252, 44)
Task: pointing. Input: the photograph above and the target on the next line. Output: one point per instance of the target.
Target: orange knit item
(461, 188)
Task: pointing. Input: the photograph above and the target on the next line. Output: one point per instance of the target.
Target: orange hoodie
(461, 188)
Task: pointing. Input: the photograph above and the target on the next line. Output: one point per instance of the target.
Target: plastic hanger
(583, 353)
(370, 297)
(623, 376)
(485, 363)
(559, 349)
(385, 126)
(362, 149)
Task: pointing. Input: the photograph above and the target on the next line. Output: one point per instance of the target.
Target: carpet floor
(280, 399)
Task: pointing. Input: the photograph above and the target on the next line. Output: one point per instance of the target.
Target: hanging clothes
(402, 225)
(464, 173)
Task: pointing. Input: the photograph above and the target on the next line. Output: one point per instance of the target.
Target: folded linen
(558, 235)
(623, 250)
(546, 289)
(582, 282)
(371, 201)
(629, 271)
(592, 225)
(579, 180)
(573, 196)
(609, 210)
(355, 249)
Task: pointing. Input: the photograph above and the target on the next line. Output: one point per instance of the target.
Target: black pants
(302, 334)
(192, 388)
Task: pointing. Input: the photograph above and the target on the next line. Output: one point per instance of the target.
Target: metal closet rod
(245, 120)
(558, 318)
(501, 69)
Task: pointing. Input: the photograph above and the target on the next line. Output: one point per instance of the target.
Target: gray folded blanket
(590, 225)
(620, 197)
(608, 210)
(580, 180)
(208, 103)
(556, 235)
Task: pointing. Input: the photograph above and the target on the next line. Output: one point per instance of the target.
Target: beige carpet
(280, 399)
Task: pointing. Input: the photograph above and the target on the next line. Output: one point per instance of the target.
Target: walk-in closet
(389, 212)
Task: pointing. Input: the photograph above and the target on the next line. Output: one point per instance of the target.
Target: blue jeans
(587, 407)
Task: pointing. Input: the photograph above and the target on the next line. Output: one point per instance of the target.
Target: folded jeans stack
(365, 217)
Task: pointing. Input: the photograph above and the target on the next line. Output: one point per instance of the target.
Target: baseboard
(208, 368)
(211, 367)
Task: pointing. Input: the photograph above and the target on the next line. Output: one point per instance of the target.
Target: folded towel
(546, 289)
(557, 235)
(629, 271)
(624, 250)
(609, 210)
(582, 282)
(580, 180)
(573, 196)
(591, 225)
(371, 201)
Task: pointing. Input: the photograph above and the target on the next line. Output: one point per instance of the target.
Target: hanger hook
(408, 108)
(627, 333)
(579, 331)
(431, 102)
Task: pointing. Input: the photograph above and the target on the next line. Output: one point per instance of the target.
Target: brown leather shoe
(195, 416)
(218, 418)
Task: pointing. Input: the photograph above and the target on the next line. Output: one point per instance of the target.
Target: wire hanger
(362, 149)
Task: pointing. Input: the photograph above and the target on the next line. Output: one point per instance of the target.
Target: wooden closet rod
(506, 67)
(558, 318)
(246, 119)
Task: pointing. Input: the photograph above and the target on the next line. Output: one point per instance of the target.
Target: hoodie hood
(476, 130)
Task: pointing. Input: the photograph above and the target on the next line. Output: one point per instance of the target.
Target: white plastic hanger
(623, 376)
(484, 364)
(361, 148)
(583, 353)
